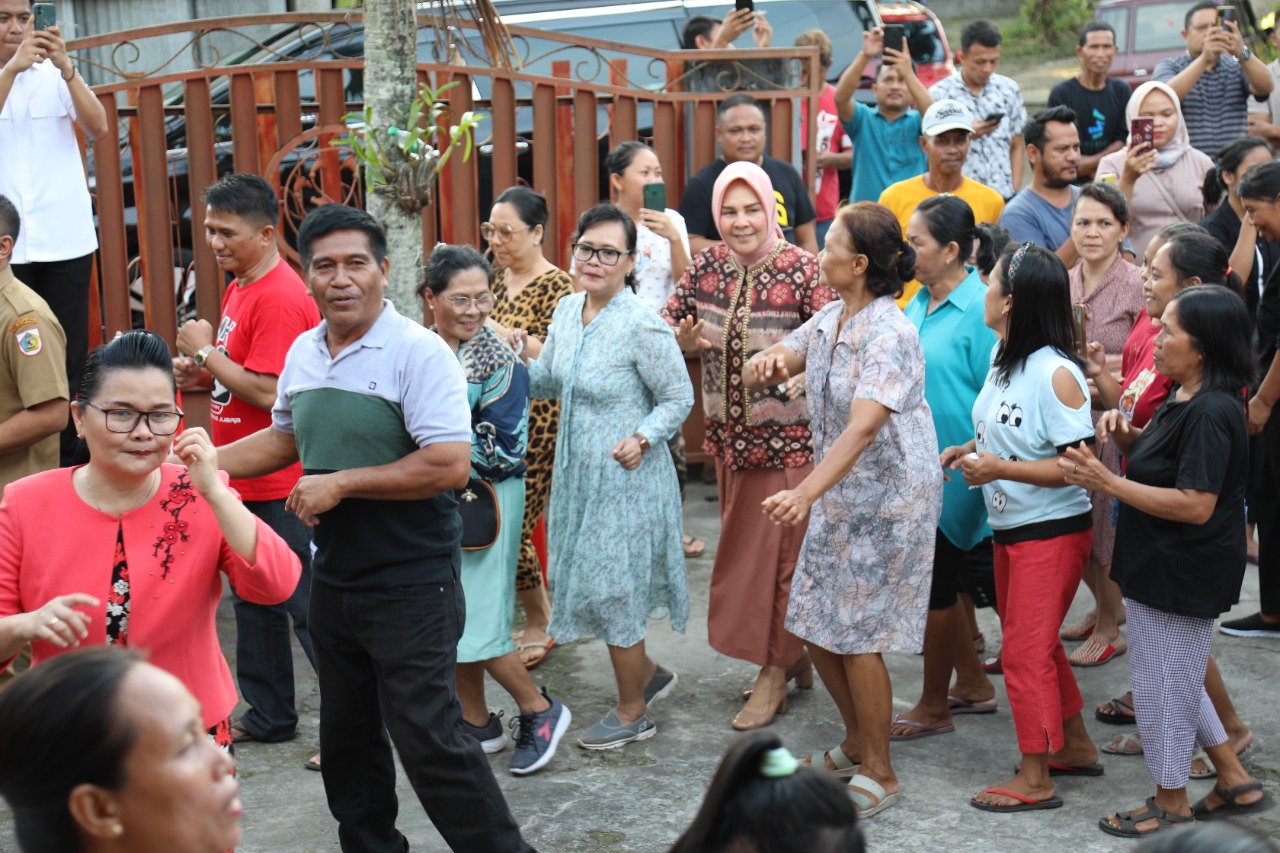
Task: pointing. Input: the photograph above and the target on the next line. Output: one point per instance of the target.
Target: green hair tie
(778, 764)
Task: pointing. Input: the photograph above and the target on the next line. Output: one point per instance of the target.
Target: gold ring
(54, 621)
(1076, 469)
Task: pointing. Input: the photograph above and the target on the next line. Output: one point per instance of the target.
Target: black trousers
(1267, 496)
(264, 655)
(65, 286)
(386, 660)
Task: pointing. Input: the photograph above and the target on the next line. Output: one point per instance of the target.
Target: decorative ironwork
(311, 172)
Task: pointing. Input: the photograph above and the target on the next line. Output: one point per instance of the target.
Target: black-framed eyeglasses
(608, 256)
(126, 420)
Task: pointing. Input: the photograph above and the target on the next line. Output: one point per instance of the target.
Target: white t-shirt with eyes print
(1022, 419)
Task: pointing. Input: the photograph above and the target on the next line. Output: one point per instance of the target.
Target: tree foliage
(1055, 20)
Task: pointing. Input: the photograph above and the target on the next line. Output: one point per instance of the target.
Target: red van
(925, 39)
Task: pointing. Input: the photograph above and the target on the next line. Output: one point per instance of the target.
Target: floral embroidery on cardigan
(181, 495)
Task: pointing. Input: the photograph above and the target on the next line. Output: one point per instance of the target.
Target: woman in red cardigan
(127, 550)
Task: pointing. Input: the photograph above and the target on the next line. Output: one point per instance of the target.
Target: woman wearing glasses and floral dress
(526, 290)
(614, 524)
(128, 550)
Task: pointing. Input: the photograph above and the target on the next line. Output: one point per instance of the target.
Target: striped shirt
(1216, 108)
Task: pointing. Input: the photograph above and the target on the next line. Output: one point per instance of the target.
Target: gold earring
(117, 830)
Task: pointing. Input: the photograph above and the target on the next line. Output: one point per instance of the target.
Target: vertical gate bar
(202, 170)
(154, 216)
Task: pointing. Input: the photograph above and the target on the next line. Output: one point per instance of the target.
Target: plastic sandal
(1024, 804)
(1125, 744)
(1096, 651)
(871, 799)
(1229, 805)
(1129, 821)
(844, 766)
(1081, 630)
(1121, 712)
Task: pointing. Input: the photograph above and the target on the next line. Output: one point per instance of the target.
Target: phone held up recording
(45, 15)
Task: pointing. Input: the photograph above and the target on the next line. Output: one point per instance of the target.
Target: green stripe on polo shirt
(337, 430)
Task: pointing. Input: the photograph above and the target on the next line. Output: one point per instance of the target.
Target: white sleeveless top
(1022, 419)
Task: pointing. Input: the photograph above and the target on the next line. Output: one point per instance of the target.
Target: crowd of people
(963, 387)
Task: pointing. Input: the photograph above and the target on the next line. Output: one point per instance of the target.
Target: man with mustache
(1097, 100)
(740, 130)
(944, 137)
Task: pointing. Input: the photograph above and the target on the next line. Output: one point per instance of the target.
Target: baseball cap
(946, 115)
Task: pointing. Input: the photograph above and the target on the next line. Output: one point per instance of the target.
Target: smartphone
(45, 15)
(1110, 179)
(1226, 13)
(895, 37)
(1091, 440)
(1142, 131)
(1079, 317)
(995, 117)
(749, 5)
(655, 197)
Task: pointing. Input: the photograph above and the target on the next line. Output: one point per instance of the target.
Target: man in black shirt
(740, 130)
(1098, 100)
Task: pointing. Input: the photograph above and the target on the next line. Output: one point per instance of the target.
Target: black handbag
(481, 518)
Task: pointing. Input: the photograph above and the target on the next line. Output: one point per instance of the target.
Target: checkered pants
(1168, 655)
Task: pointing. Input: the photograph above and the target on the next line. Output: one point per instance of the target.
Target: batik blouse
(747, 311)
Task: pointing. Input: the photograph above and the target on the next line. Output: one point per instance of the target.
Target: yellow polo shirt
(905, 196)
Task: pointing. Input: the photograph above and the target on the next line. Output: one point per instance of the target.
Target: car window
(1118, 18)
(923, 42)
(1158, 27)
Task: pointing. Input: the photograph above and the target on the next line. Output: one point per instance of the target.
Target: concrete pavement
(639, 798)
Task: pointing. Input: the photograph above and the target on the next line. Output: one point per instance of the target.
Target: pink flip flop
(963, 706)
(922, 729)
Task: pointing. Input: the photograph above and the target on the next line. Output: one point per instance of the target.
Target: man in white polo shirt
(42, 98)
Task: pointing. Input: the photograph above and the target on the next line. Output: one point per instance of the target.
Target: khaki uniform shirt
(33, 370)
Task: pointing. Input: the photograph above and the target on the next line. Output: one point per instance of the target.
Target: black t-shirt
(794, 205)
(1099, 115)
(1223, 224)
(1267, 320)
(1191, 570)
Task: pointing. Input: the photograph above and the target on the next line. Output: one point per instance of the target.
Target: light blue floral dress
(866, 565)
(613, 535)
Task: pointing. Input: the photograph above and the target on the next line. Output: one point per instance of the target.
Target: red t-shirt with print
(260, 321)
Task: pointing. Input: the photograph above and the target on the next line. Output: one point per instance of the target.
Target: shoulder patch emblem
(29, 342)
(25, 321)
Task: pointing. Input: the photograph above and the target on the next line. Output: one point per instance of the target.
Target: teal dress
(613, 535)
(498, 393)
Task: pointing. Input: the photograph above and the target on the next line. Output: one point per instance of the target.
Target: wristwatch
(202, 354)
(1244, 57)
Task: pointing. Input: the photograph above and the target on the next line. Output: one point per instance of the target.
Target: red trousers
(1035, 584)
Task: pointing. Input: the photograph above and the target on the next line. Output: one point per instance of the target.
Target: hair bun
(906, 262)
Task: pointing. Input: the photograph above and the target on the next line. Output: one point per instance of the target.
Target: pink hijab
(754, 177)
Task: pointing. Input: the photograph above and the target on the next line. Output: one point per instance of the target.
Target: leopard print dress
(531, 310)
